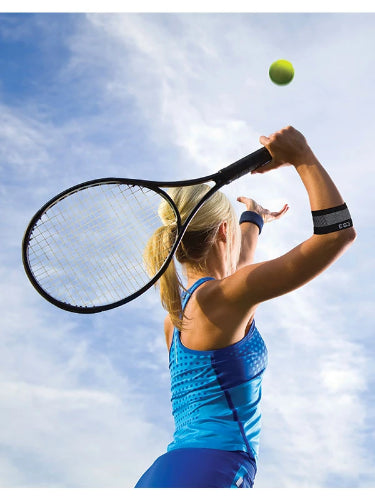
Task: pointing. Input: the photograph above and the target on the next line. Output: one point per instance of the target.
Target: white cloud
(339, 380)
(74, 438)
(22, 137)
(170, 83)
(69, 416)
(314, 395)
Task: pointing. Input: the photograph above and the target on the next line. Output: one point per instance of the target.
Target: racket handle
(245, 165)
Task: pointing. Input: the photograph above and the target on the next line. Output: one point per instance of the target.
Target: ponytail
(169, 283)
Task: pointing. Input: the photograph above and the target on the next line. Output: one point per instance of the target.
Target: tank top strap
(188, 293)
(185, 296)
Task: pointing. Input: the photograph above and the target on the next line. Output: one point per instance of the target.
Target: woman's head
(197, 242)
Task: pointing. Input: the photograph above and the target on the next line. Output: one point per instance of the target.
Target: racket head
(83, 250)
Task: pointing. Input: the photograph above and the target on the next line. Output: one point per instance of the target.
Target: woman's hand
(266, 214)
(287, 147)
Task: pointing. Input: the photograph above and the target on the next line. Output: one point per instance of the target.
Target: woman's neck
(215, 264)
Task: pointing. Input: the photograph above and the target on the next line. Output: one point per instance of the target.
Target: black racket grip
(245, 165)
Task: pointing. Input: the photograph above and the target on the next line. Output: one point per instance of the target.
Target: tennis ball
(281, 72)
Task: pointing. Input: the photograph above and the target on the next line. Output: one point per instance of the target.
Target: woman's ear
(222, 233)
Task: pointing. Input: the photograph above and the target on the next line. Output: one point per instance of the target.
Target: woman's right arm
(256, 283)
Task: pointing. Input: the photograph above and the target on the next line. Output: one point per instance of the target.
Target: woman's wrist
(252, 217)
(308, 160)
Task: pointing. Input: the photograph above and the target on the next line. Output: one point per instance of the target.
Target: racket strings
(87, 249)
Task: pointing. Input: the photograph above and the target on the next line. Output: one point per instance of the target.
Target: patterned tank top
(216, 393)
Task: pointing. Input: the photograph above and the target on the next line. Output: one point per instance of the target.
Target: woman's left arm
(250, 230)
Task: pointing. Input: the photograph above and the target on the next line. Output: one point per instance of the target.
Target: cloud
(70, 417)
(170, 83)
(74, 438)
(314, 394)
(22, 137)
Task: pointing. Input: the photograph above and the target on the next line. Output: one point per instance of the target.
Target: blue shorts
(200, 468)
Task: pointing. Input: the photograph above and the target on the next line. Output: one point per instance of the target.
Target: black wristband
(331, 219)
(252, 217)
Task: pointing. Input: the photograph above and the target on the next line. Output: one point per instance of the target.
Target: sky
(84, 400)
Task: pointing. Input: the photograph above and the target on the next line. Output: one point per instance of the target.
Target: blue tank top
(216, 393)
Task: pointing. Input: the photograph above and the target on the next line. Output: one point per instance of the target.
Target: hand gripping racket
(83, 250)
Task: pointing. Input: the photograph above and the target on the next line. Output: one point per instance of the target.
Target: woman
(217, 356)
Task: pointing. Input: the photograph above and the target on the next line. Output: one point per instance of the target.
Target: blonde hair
(195, 244)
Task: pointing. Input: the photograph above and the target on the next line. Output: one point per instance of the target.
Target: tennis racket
(82, 250)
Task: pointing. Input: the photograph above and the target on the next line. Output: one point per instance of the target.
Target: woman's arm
(255, 283)
(249, 240)
(250, 231)
(289, 147)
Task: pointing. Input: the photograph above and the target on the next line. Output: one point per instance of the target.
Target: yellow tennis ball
(281, 72)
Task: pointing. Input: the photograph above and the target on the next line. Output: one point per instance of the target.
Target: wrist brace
(253, 217)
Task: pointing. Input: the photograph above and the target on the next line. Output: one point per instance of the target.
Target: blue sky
(85, 399)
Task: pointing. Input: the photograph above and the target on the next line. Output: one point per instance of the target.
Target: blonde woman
(216, 354)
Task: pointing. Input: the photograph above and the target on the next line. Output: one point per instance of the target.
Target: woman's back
(216, 393)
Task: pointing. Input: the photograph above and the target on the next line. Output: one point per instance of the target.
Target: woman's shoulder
(211, 320)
